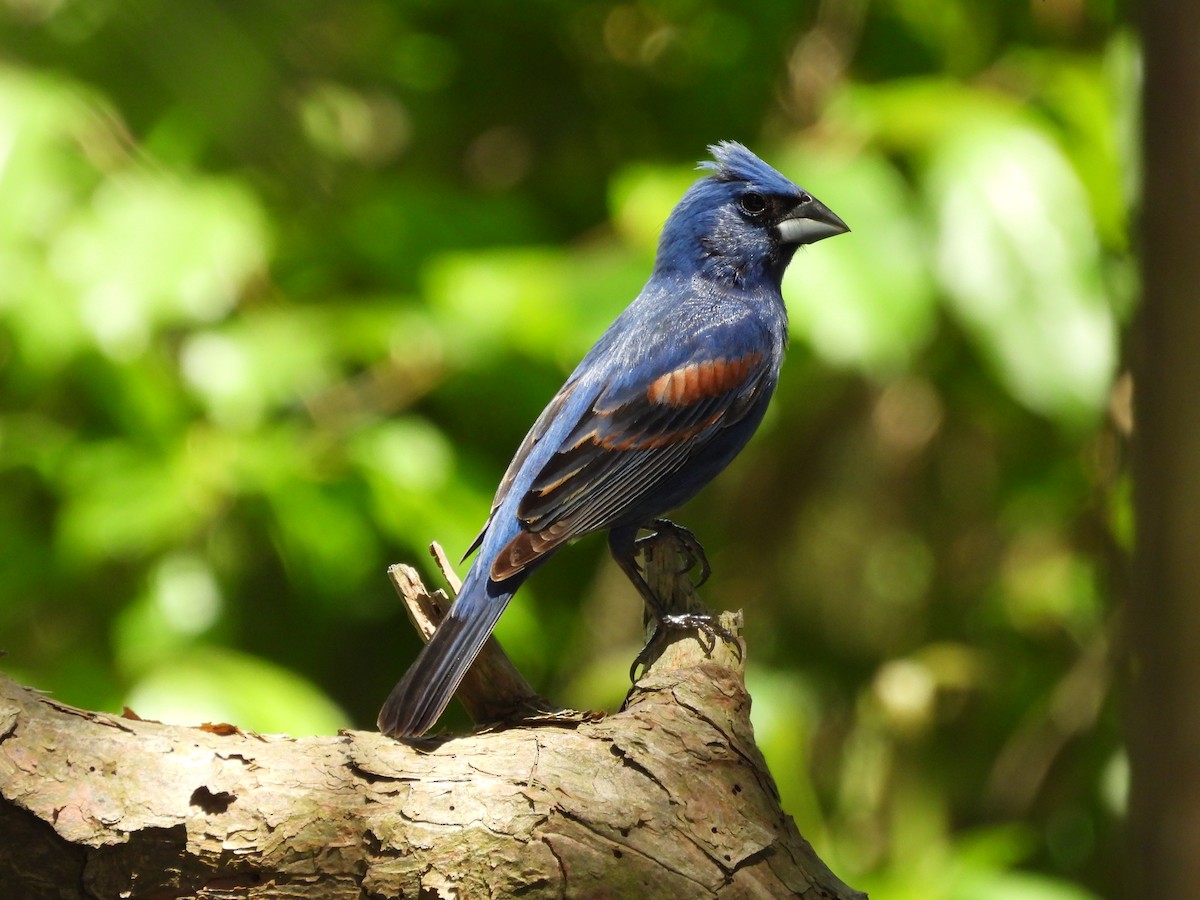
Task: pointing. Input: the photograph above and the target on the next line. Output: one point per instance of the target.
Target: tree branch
(669, 797)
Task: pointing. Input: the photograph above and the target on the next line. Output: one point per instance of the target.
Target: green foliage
(284, 285)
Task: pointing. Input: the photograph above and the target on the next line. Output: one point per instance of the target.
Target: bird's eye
(753, 203)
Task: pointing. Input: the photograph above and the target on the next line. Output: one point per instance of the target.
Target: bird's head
(742, 222)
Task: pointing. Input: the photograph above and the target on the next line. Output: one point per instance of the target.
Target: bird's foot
(688, 542)
(700, 622)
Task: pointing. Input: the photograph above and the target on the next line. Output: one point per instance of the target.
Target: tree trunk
(1164, 618)
(667, 798)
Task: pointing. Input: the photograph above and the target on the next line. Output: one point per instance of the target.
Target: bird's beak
(810, 221)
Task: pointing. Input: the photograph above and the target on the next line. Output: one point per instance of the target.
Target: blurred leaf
(1026, 885)
(410, 470)
(182, 601)
(321, 538)
(496, 298)
(641, 198)
(1087, 95)
(916, 114)
(543, 303)
(1018, 256)
(42, 174)
(125, 501)
(784, 710)
(220, 685)
(866, 299)
(262, 361)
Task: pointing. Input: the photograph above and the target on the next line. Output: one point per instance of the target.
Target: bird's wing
(536, 433)
(642, 427)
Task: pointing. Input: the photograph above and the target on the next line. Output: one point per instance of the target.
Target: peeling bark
(669, 797)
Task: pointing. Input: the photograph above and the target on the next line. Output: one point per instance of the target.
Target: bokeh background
(283, 284)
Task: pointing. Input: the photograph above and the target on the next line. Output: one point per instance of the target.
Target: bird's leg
(688, 542)
(625, 545)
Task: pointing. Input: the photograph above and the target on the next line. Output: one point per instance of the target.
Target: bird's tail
(417, 701)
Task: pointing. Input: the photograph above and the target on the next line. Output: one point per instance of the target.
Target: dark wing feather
(626, 444)
(536, 433)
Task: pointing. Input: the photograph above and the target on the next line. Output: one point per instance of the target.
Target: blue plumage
(664, 400)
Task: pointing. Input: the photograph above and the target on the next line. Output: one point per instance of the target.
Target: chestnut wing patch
(699, 380)
(526, 547)
(622, 448)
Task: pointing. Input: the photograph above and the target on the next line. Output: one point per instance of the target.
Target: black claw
(642, 659)
(704, 624)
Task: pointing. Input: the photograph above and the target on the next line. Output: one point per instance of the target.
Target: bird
(668, 395)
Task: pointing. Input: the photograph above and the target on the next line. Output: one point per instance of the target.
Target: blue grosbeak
(665, 399)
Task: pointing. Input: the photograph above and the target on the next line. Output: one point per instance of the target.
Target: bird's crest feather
(733, 162)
